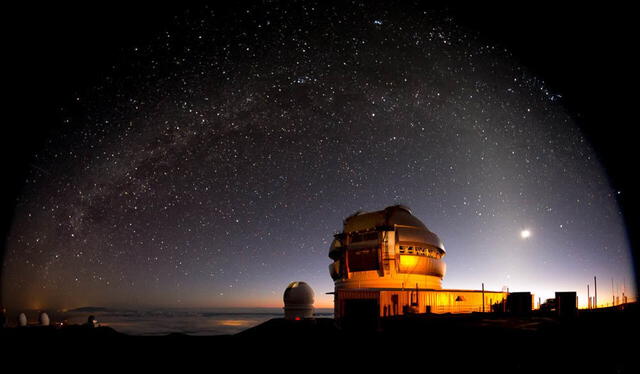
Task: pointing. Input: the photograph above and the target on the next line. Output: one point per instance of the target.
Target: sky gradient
(214, 161)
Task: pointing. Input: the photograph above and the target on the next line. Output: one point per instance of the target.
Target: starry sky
(209, 162)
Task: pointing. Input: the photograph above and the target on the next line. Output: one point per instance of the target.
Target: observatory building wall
(394, 302)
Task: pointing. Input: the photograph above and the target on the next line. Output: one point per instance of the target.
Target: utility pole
(595, 290)
(613, 294)
(588, 298)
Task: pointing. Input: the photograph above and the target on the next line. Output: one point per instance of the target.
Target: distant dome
(298, 301)
(44, 319)
(298, 293)
(22, 320)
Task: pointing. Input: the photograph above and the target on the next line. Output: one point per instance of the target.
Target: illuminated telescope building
(388, 263)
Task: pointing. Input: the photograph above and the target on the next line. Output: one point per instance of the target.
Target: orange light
(232, 322)
(408, 260)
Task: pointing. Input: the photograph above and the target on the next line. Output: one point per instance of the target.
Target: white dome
(298, 293)
(22, 320)
(44, 319)
(298, 301)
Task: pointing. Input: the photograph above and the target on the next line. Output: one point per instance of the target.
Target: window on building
(363, 259)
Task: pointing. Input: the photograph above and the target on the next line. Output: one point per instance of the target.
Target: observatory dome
(298, 301)
(399, 216)
(22, 320)
(388, 248)
(43, 319)
(388, 263)
(298, 293)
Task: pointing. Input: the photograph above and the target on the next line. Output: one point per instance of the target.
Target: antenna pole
(595, 287)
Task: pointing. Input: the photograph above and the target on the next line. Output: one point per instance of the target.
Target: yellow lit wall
(394, 302)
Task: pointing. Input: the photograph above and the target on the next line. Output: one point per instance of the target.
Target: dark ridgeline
(480, 342)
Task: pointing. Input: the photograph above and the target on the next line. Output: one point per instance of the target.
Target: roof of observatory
(397, 216)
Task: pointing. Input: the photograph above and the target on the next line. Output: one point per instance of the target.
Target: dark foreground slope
(604, 341)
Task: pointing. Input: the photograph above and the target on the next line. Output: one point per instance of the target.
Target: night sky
(209, 160)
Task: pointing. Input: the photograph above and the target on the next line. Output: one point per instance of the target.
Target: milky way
(215, 161)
